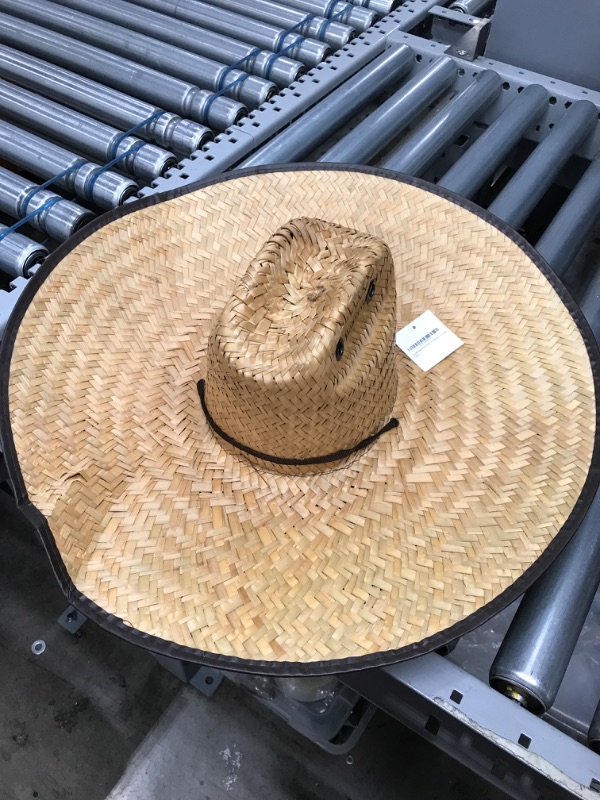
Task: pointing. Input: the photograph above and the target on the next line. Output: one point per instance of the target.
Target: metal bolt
(515, 695)
(461, 53)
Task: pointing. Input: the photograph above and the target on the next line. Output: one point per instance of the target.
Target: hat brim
(162, 534)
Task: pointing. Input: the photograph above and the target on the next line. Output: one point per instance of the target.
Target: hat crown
(300, 360)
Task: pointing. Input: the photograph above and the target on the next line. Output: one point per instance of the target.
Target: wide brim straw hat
(312, 510)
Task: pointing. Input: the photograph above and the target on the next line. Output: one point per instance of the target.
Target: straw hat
(229, 459)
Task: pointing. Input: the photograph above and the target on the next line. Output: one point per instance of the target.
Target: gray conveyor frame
(512, 749)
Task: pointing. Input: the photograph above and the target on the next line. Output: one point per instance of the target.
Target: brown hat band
(292, 462)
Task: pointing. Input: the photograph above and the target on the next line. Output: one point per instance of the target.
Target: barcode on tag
(423, 339)
(427, 341)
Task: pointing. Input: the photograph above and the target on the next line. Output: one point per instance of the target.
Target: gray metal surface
(358, 18)
(482, 159)
(309, 51)
(72, 620)
(282, 70)
(564, 237)
(514, 80)
(9, 298)
(573, 708)
(108, 105)
(522, 193)
(549, 36)
(174, 61)
(334, 33)
(514, 750)
(42, 158)
(60, 220)
(320, 122)
(427, 142)
(334, 717)
(83, 134)
(371, 135)
(590, 304)
(120, 73)
(18, 254)
(471, 43)
(449, 26)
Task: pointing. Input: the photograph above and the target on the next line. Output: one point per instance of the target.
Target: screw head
(461, 53)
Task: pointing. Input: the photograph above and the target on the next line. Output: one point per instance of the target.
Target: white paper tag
(427, 341)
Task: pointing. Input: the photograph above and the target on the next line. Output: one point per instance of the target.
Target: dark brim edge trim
(288, 668)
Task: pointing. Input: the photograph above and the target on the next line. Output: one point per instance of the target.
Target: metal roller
(473, 7)
(313, 127)
(18, 254)
(381, 7)
(537, 648)
(118, 109)
(83, 134)
(47, 160)
(422, 147)
(536, 651)
(202, 71)
(334, 33)
(590, 304)
(279, 69)
(569, 229)
(120, 73)
(371, 135)
(256, 32)
(60, 220)
(358, 18)
(524, 191)
(484, 157)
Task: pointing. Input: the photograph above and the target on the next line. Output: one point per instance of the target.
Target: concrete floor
(94, 718)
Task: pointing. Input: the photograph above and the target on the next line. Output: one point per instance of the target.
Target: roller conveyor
(204, 72)
(297, 44)
(370, 136)
(518, 143)
(280, 69)
(91, 137)
(108, 105)
(335, 110)
(334, 32)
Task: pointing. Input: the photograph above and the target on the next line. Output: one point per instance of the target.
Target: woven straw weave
(162, 526)
(274, 380)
